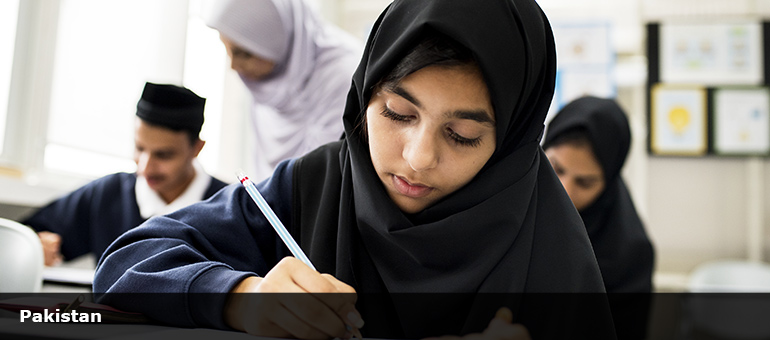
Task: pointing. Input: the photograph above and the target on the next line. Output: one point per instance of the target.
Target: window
(8, 15)
(79, 66)
(205, 64)
(105, 51)
(99, 75)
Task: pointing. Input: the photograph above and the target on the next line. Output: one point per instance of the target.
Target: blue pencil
(251, 189)
(273, 219)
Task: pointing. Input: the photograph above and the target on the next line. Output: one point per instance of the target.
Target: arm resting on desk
(205, 248)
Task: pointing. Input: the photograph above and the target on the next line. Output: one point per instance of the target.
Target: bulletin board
(708, 90)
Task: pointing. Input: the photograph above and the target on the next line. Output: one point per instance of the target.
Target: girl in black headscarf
(438, 186)
(587, 143)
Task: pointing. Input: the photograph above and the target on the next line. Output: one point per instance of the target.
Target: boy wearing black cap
(168, 177)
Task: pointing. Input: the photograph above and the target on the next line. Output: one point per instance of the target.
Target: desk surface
(70, 277)
(53, 287)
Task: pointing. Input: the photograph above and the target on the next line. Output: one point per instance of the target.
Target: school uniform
(511, 230)
(91, 217)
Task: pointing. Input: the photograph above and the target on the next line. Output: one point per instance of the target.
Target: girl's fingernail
(355, 319)
(504, 314)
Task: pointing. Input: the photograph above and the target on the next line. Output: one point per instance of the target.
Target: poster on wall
(586, 61)
(711, 54)
(678, 120)
(575, 83)
(581, 43)
(741, 121)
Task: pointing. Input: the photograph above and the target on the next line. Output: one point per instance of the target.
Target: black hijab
(512, 229)
(621, 245)
(625, 254)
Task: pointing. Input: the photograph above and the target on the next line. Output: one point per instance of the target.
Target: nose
(144, 163)
(238, 64)
(421, 150)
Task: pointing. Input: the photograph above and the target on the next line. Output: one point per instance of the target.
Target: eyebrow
(164, 151)
(239, 50)
(589, 178)
(408, 96)
(481, 116)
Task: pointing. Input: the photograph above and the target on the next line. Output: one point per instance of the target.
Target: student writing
(439, 186)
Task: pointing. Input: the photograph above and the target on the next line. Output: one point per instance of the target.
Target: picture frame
(586, 61)
(727, 53)
(741, 120)
(678, 120)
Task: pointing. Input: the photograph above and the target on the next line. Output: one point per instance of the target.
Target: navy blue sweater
(207, 247)
(91, 217)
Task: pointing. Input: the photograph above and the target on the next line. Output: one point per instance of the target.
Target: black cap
(171, 106)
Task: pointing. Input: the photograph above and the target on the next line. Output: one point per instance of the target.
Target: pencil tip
(239, 173)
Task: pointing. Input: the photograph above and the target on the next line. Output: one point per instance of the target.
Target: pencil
(273, 219)
(251, 189)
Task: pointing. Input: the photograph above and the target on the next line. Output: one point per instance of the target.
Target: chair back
(729, 299)
(21, 258)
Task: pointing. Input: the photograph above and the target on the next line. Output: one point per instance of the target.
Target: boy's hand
(51, 248)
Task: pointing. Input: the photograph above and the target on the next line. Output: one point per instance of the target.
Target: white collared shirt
(151, 204)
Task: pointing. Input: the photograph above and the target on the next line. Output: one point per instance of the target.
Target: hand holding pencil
(325, 310)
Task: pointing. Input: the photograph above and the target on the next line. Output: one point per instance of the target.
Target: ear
(198, 147)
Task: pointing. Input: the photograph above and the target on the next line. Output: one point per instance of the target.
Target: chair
(731, 276)
(730, 300)
(21, 258)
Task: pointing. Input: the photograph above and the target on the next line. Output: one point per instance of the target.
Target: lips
(154, 181)
(408, 189)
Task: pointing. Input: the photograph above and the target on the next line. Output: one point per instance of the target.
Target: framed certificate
(741, 124)
(711, 53)
(678, 120)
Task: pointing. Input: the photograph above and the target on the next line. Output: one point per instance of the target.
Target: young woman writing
(439, 186)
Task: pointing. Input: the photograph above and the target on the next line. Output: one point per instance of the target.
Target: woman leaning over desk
(297, 68)
(439, 186)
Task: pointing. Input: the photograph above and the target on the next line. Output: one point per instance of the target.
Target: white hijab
(299, 106)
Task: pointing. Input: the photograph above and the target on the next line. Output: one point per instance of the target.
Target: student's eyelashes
(558, 170)
(241, 54)
(585, 184)
(463, 141)
(392, 115)
(454, 136)
(164, 155)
